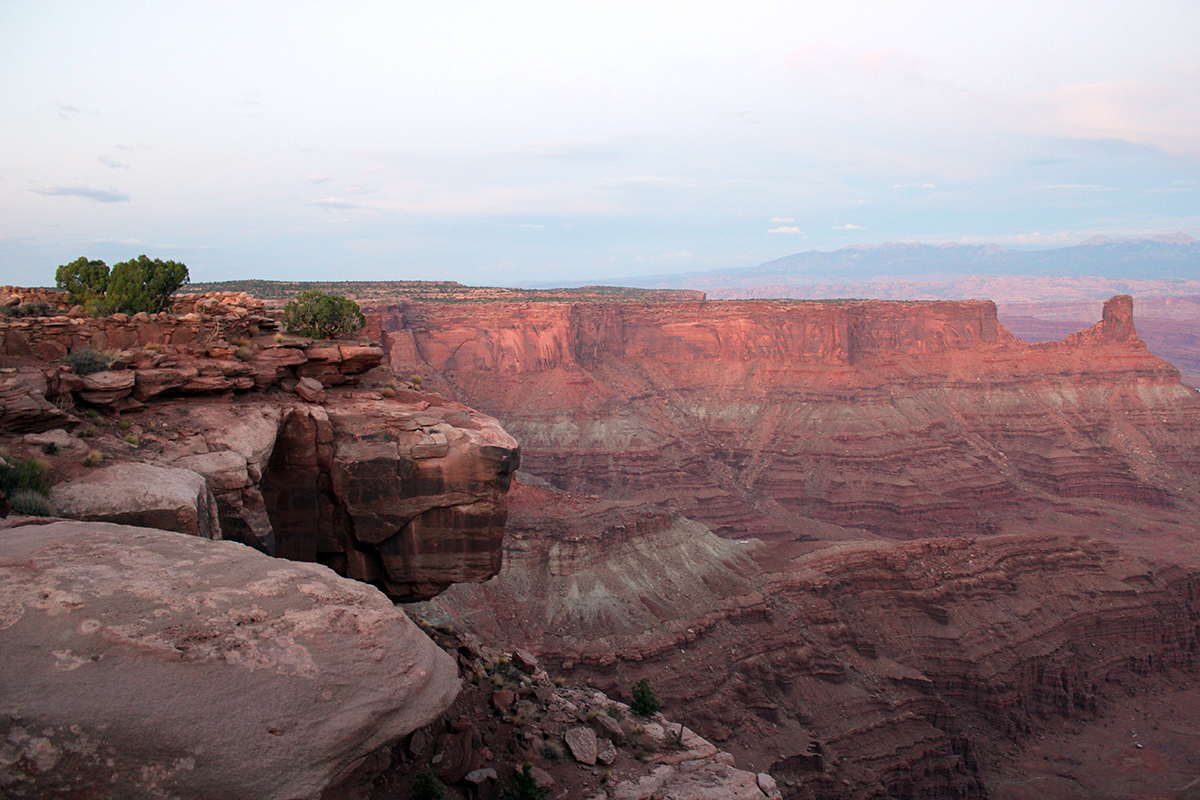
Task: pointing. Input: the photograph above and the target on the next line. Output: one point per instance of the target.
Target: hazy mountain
(1097, 268)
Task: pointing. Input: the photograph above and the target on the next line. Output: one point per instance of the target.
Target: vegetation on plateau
(140, 284)
(322, 316)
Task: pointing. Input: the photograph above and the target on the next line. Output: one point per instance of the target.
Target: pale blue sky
(502, 143)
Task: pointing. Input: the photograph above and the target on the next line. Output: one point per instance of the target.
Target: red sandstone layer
(759, 418)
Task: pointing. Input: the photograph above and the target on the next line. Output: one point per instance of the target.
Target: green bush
(644, 704)
(30, 504)
(144, 284)
(140, 284)
(427, 787)
(524, 786)
(85, 361)
(322, 316)
(82, 279)
(24, 474)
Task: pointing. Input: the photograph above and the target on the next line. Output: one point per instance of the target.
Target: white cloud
(318, 178)
(782, 219)
(848, 227)
(1079, 187)
(99, 195)
(333, 203)
(788, 229)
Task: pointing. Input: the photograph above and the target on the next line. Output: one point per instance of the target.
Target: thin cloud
(112, 162)
(788, 229)
(99, 195)
(914, 186)
(334, 203)
(782, 219)
(1078, 187)
(848, 227)
(318, 179)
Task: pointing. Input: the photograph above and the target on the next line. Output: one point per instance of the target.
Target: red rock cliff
(759, 417)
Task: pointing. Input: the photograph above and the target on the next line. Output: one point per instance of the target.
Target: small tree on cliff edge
(140, 284)
(644, 703)
(145, 284)
(322, 316)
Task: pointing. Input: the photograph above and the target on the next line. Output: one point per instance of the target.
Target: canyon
(819, 420)
(874, 549)
(944, 547)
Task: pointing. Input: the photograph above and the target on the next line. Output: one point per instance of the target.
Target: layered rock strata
(764, 418)
(865, 669)
(139, 663)
(390, 486)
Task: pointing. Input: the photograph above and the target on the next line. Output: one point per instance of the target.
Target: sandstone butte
(1050, 490)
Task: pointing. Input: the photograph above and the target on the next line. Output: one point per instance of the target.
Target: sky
(503, 143)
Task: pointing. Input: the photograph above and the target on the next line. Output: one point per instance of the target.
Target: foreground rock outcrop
(138, 663)
(286, 448)
(767, 418)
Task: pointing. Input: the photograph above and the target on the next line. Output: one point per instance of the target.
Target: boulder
(23, 404)
(224, 470)
(106, 388)
(141, 663)
(150, 496)
(310, 390)
(581, 741)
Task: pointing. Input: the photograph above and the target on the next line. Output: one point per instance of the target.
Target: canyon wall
(866, 669)
(779, 419)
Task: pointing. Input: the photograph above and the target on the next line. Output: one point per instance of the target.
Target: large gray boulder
(146, 495)
(140, 663)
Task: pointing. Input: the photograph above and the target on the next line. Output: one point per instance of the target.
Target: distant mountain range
(1097, 268)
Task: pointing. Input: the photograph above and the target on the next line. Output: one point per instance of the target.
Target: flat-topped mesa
(526, 337)
(756, 417)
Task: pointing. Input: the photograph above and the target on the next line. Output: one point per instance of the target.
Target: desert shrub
(244, 353)
(24, 475)
(38, 309)
(86, 361)
(124, 424)
(30, 504)
(93, 458)
(239, 341)
(553, 751)
(644, 703)
(254, 330)
(82, 279)
(524, 786)
(416, 381)
(87, 433)
(322, 316)
(280, 338)
(388, 392)
(427, 787)
(133, 439)
(144, 284)
(50, 449)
